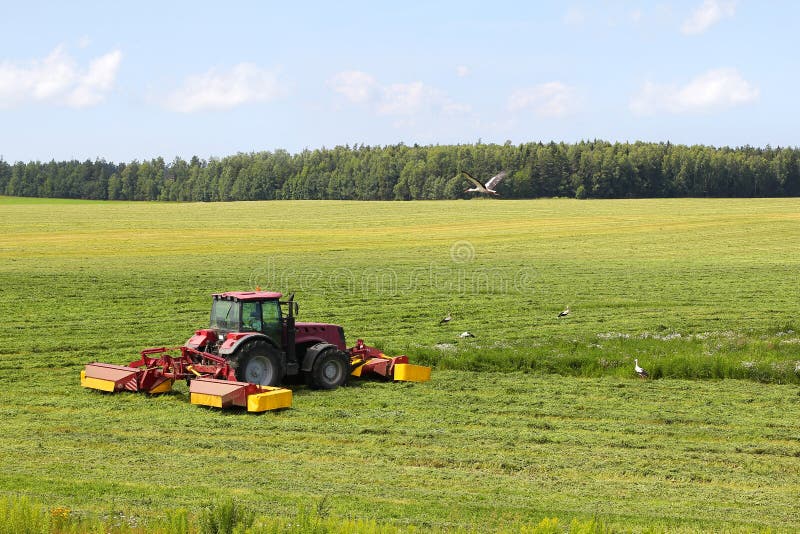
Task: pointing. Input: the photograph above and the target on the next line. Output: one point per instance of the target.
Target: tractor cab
(248, 311)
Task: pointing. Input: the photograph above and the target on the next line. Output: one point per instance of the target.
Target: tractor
(257, 334)
(252, 344)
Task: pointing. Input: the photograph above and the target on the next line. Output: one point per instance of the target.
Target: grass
(463, 451)
(554, 424)
(22, 516)
(692, 287)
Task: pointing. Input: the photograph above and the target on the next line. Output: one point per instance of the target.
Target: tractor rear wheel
(330, 370)
(259, 363)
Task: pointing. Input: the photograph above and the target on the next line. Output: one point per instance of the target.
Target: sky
(137, 80)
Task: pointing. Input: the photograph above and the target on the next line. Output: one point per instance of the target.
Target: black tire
(259, 363)
(331, 370)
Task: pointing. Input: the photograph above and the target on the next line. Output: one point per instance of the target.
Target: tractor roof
(248, 295)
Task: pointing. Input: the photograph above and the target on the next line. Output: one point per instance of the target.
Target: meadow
(535, 417)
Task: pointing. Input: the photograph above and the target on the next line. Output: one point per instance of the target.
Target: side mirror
(296, 308)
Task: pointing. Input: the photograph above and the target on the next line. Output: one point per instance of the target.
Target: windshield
(225, 315)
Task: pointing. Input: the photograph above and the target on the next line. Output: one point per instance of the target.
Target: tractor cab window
(225, 315)
(272, 311)
(262, 316)
(252, 318)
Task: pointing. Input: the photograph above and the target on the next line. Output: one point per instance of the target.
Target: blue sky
(144, 79)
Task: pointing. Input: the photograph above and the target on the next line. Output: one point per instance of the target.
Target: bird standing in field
(446, 319)
(488, 187)
(463, 335)
(564, 313)
(639, 371)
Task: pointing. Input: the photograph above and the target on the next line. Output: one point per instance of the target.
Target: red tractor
(252, 344)
(257, 334)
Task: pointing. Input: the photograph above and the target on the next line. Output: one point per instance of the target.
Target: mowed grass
(697, 288)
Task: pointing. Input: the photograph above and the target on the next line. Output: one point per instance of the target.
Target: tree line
(587, 169)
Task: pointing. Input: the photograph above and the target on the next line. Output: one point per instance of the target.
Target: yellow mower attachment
(369, 361)
(108, 377)
(113, 378)
(225, 393)
(411, 373)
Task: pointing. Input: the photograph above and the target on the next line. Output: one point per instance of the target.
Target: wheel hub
(331, 371)
(258, 371)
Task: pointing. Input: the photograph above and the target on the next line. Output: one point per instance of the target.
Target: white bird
(639, 371)
(564, 313)
(463, 335)
(446, 319)
(486, 189)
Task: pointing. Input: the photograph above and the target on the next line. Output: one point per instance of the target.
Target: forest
(587, 169)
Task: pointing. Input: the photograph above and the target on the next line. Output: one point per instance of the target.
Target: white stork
(639, 371)
(464, 335)
(486, 189)
(446, 319)
(564, 313)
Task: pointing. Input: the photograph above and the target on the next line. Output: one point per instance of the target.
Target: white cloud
(356, 86)
(714, 90)
(551, 99)
(404, 98)
(706, 15)
(94, 85)
(222, 90)
(398, 99)
(58, 80)
(415, 98)
(462, 71)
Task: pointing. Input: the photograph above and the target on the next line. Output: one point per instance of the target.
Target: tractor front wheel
(259, 363)
(330, 370)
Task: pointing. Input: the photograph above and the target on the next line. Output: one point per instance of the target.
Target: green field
(535, 417)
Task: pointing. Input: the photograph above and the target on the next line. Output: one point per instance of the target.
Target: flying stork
(486, 189)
